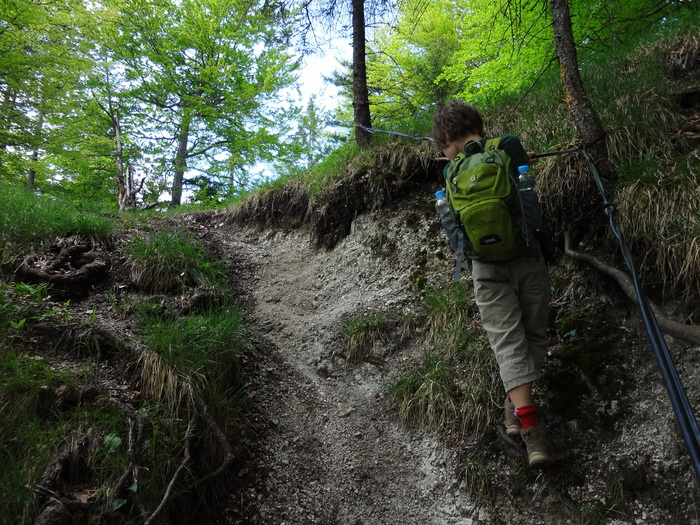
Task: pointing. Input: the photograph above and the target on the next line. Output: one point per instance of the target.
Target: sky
(321, 64)
(315, 67)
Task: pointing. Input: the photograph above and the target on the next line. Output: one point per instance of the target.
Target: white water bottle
(441, 205)
(526, 182)
(447, 219)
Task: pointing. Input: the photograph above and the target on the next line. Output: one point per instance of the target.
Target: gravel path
(331, 450)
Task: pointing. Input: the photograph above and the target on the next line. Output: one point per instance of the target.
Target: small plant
(592, 513)
(168, 262)
(30, 426)
(35, 294)
(457, 381)
(361, 334)
(448, 311)
(6, 314)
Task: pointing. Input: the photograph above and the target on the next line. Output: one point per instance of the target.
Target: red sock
(528, 416)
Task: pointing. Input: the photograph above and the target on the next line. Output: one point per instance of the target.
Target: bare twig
(176, 476)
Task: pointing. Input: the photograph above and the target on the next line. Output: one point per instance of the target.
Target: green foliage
(456, 381)
(172, 261)
(43, 48)
(6, 315)
(23, 305)
(406, 63)
(485, 52)
(158, 85)
(27, 220)
(207, 72)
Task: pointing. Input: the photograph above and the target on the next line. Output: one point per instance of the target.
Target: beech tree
(206, 74)
(42, 46)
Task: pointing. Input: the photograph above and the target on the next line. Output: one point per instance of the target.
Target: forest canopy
(125, 101)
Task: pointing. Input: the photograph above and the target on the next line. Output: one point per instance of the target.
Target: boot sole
(540, 460)
(513, 430)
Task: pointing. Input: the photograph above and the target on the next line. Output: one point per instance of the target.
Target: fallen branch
(685, 332)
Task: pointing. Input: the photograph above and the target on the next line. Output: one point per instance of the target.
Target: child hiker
(512, 296)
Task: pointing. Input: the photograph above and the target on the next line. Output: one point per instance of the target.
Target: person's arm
(515, 150)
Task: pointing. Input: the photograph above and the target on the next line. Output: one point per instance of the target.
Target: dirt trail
(331, 450)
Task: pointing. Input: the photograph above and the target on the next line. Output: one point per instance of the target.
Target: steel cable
(676, 392)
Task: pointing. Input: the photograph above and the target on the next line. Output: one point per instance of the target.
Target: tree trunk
(584, 116)
(38, 129)
(119, 159)
(181, 157)
(360, 103)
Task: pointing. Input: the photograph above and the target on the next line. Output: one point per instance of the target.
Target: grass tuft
(456, 383)
(427, 395)
(188, 355)
(171, 262)
(361, 333)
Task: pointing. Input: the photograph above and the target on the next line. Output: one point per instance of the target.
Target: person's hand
(532, 160)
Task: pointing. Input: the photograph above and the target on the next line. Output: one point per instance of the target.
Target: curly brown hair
(458, 120)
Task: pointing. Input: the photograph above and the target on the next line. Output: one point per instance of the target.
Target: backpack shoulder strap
(492, 143)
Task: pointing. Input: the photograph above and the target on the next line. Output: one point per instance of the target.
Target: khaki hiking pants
(513, 299)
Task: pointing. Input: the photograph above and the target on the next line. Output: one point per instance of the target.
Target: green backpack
(486, 202)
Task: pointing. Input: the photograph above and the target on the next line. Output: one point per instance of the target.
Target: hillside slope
(330, 448)
(319, 438)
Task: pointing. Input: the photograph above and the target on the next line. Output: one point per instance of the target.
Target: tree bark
(38, 129)
(584, 116)
(181, 156)
(360, 104)
(118, 158)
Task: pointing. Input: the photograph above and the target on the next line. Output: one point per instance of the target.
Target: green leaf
(112, 442)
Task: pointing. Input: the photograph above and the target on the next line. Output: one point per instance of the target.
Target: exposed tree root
(131, 474)
(66, 466)
(176, 476)
(201, 299)
(75, 265)
(220, 436)
(685, 332)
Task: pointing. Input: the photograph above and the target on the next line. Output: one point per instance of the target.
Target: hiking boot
(511, 421)
(540, 449)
